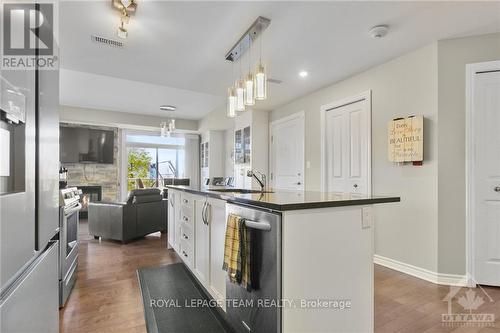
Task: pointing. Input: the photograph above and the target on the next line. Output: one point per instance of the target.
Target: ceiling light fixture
(168, 108)
(130, 5)
(260, 78)
(122, 32)
(167, 128)
(240, 95)
(252, 86)
(231, 102)
(126, 8)
(303, 74)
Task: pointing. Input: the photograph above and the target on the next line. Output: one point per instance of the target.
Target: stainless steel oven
(265, 273)
(68, 243)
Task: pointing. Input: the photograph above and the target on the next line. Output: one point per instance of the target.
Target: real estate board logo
(28, 36)
(464, 307)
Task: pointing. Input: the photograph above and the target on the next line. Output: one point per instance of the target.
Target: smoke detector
(379, 31)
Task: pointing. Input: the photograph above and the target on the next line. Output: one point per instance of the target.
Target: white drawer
(187, 233)
(187, 201)
(187, 215)
(186, 253)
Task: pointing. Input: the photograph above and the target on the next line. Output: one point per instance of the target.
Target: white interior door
(486, 136)
(287, 153)
(346, 146)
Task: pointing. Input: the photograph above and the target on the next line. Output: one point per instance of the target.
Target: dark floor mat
(168, 295)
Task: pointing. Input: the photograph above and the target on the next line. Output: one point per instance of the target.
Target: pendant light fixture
(167, 128)
(249, 90)
(126, 8)
(260, 78)
(231, 102)
(252, 86)
(240, 95)
(240, 92)
(231, 99)
(249, 80)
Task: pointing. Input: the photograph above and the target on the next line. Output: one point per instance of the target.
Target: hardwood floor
(404, 303)
(107, 298)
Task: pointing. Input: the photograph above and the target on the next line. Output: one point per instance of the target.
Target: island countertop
(285, 200)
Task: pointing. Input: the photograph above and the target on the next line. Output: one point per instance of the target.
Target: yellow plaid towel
(237, 252)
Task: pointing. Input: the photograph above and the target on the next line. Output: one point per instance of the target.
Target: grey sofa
(143, 213)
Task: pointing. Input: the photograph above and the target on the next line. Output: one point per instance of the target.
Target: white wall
(453, 55)
(216, 120)
(427, 228)
(229, 153)
(71, 114)
(405, 231)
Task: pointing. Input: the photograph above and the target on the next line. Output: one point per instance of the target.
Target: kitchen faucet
(262, 181)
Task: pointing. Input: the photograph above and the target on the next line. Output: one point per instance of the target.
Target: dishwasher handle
(265, 226)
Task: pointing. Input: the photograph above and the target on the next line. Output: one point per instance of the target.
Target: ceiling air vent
(107, 41)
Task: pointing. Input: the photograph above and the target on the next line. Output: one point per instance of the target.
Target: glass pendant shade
(167, 128)
(260, 83)
(249, 90)
(231, 103)
(240, 95)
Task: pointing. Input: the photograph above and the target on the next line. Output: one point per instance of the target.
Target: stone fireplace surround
(93, 174)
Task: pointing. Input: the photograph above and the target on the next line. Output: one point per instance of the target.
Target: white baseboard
(421, 273)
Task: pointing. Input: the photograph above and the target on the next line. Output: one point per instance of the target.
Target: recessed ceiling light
(167, 108)
(303, 74)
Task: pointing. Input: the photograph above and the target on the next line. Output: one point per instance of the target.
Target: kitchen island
(312, 254)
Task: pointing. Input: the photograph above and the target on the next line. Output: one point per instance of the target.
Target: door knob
(355, 185)
(497, 189)
(298, 183)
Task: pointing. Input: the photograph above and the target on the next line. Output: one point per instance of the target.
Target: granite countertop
(283, 200)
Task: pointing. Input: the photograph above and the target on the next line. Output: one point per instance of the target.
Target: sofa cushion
(141, 192)
(138, 199)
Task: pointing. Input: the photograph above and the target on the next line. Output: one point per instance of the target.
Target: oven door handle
(73, 210)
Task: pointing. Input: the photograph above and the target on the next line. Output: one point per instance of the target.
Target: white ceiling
(175, 50)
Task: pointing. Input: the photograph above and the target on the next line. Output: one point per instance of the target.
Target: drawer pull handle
(185, 237)
(185, 201)
(185, 218)
(184, 254)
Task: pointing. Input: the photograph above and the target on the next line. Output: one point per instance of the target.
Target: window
(150, 159)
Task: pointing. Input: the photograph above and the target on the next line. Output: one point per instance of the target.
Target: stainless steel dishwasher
(256, 311)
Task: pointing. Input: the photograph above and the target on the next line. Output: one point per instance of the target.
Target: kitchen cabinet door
(177, 221)
(247, 145)
(238, 147)
(171, 219)
(201, 240)
(217, 223)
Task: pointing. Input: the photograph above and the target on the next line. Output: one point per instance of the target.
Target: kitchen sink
(238, 190)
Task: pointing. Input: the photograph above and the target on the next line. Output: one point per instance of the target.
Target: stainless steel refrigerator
(29, 162)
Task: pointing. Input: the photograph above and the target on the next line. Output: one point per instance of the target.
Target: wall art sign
(406, 139)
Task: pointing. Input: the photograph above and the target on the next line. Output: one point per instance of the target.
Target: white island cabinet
(200, 227)
(327, 270)
(324, 253)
